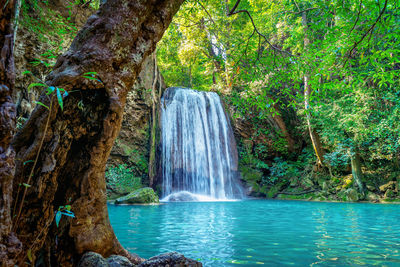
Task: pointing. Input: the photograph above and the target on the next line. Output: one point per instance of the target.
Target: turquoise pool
(264, 232)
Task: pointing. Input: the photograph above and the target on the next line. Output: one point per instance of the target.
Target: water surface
(264, 232)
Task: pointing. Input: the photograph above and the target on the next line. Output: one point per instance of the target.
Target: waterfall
(199, 154)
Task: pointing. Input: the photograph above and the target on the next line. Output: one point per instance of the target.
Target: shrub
(121, 180)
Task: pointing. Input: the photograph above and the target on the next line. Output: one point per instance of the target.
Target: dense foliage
(259, 54)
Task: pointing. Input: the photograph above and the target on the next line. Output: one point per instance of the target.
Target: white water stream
(199, 153)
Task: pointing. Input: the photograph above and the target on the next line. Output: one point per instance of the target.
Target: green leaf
(36, 85)
(28, 161)
(26, 185)
(26, 72)
(58, 217)
(89, 77)
(59, 98)
(90, 73)
(40, 103)
(68, 213)
(50, 90)
(68, 207)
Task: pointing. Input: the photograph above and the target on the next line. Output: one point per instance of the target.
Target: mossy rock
(251, 175)
(144, 195)
(350, 195)
(372, 197)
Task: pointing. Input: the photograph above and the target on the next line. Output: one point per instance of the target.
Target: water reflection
(273, 233)
(202, 228)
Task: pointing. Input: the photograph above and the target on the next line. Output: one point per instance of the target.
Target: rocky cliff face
(39, 43)
(132, 146)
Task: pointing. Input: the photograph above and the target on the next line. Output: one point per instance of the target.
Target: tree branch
(358, 17)
(367, 32)
(233, 11)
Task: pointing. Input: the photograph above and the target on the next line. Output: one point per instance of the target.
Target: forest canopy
(335, 64)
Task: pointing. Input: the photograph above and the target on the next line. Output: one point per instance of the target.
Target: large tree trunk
(71, 163)
(319, 152)
(9, 244)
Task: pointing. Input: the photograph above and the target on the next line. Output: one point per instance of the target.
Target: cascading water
(199, 154)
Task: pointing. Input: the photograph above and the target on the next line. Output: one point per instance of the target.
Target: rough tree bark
(9, 244)
(71, 164)
(319, 152)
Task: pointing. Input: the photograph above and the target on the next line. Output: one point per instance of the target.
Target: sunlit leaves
(353, 95)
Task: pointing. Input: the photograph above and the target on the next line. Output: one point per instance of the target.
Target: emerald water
(269, 232)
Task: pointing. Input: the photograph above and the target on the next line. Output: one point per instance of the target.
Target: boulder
(92, 259)
(181, 196)
(371, 188)
(171, 259)
(144, 195)
(349, 194)
(119, 261)
(372, 197)
(352, 195)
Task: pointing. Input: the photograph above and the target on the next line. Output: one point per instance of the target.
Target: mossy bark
(9, 244)
(71, 164)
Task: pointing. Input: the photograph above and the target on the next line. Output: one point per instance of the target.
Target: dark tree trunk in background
(71, 164)
(357, 171)
(155, 112)
(282, 127)
(9, 244)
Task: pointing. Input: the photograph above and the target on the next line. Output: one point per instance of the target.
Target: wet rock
(118, 261)
(141, 196)
(252, 177)
(170, 259)
(182, 196)
(92, 259)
